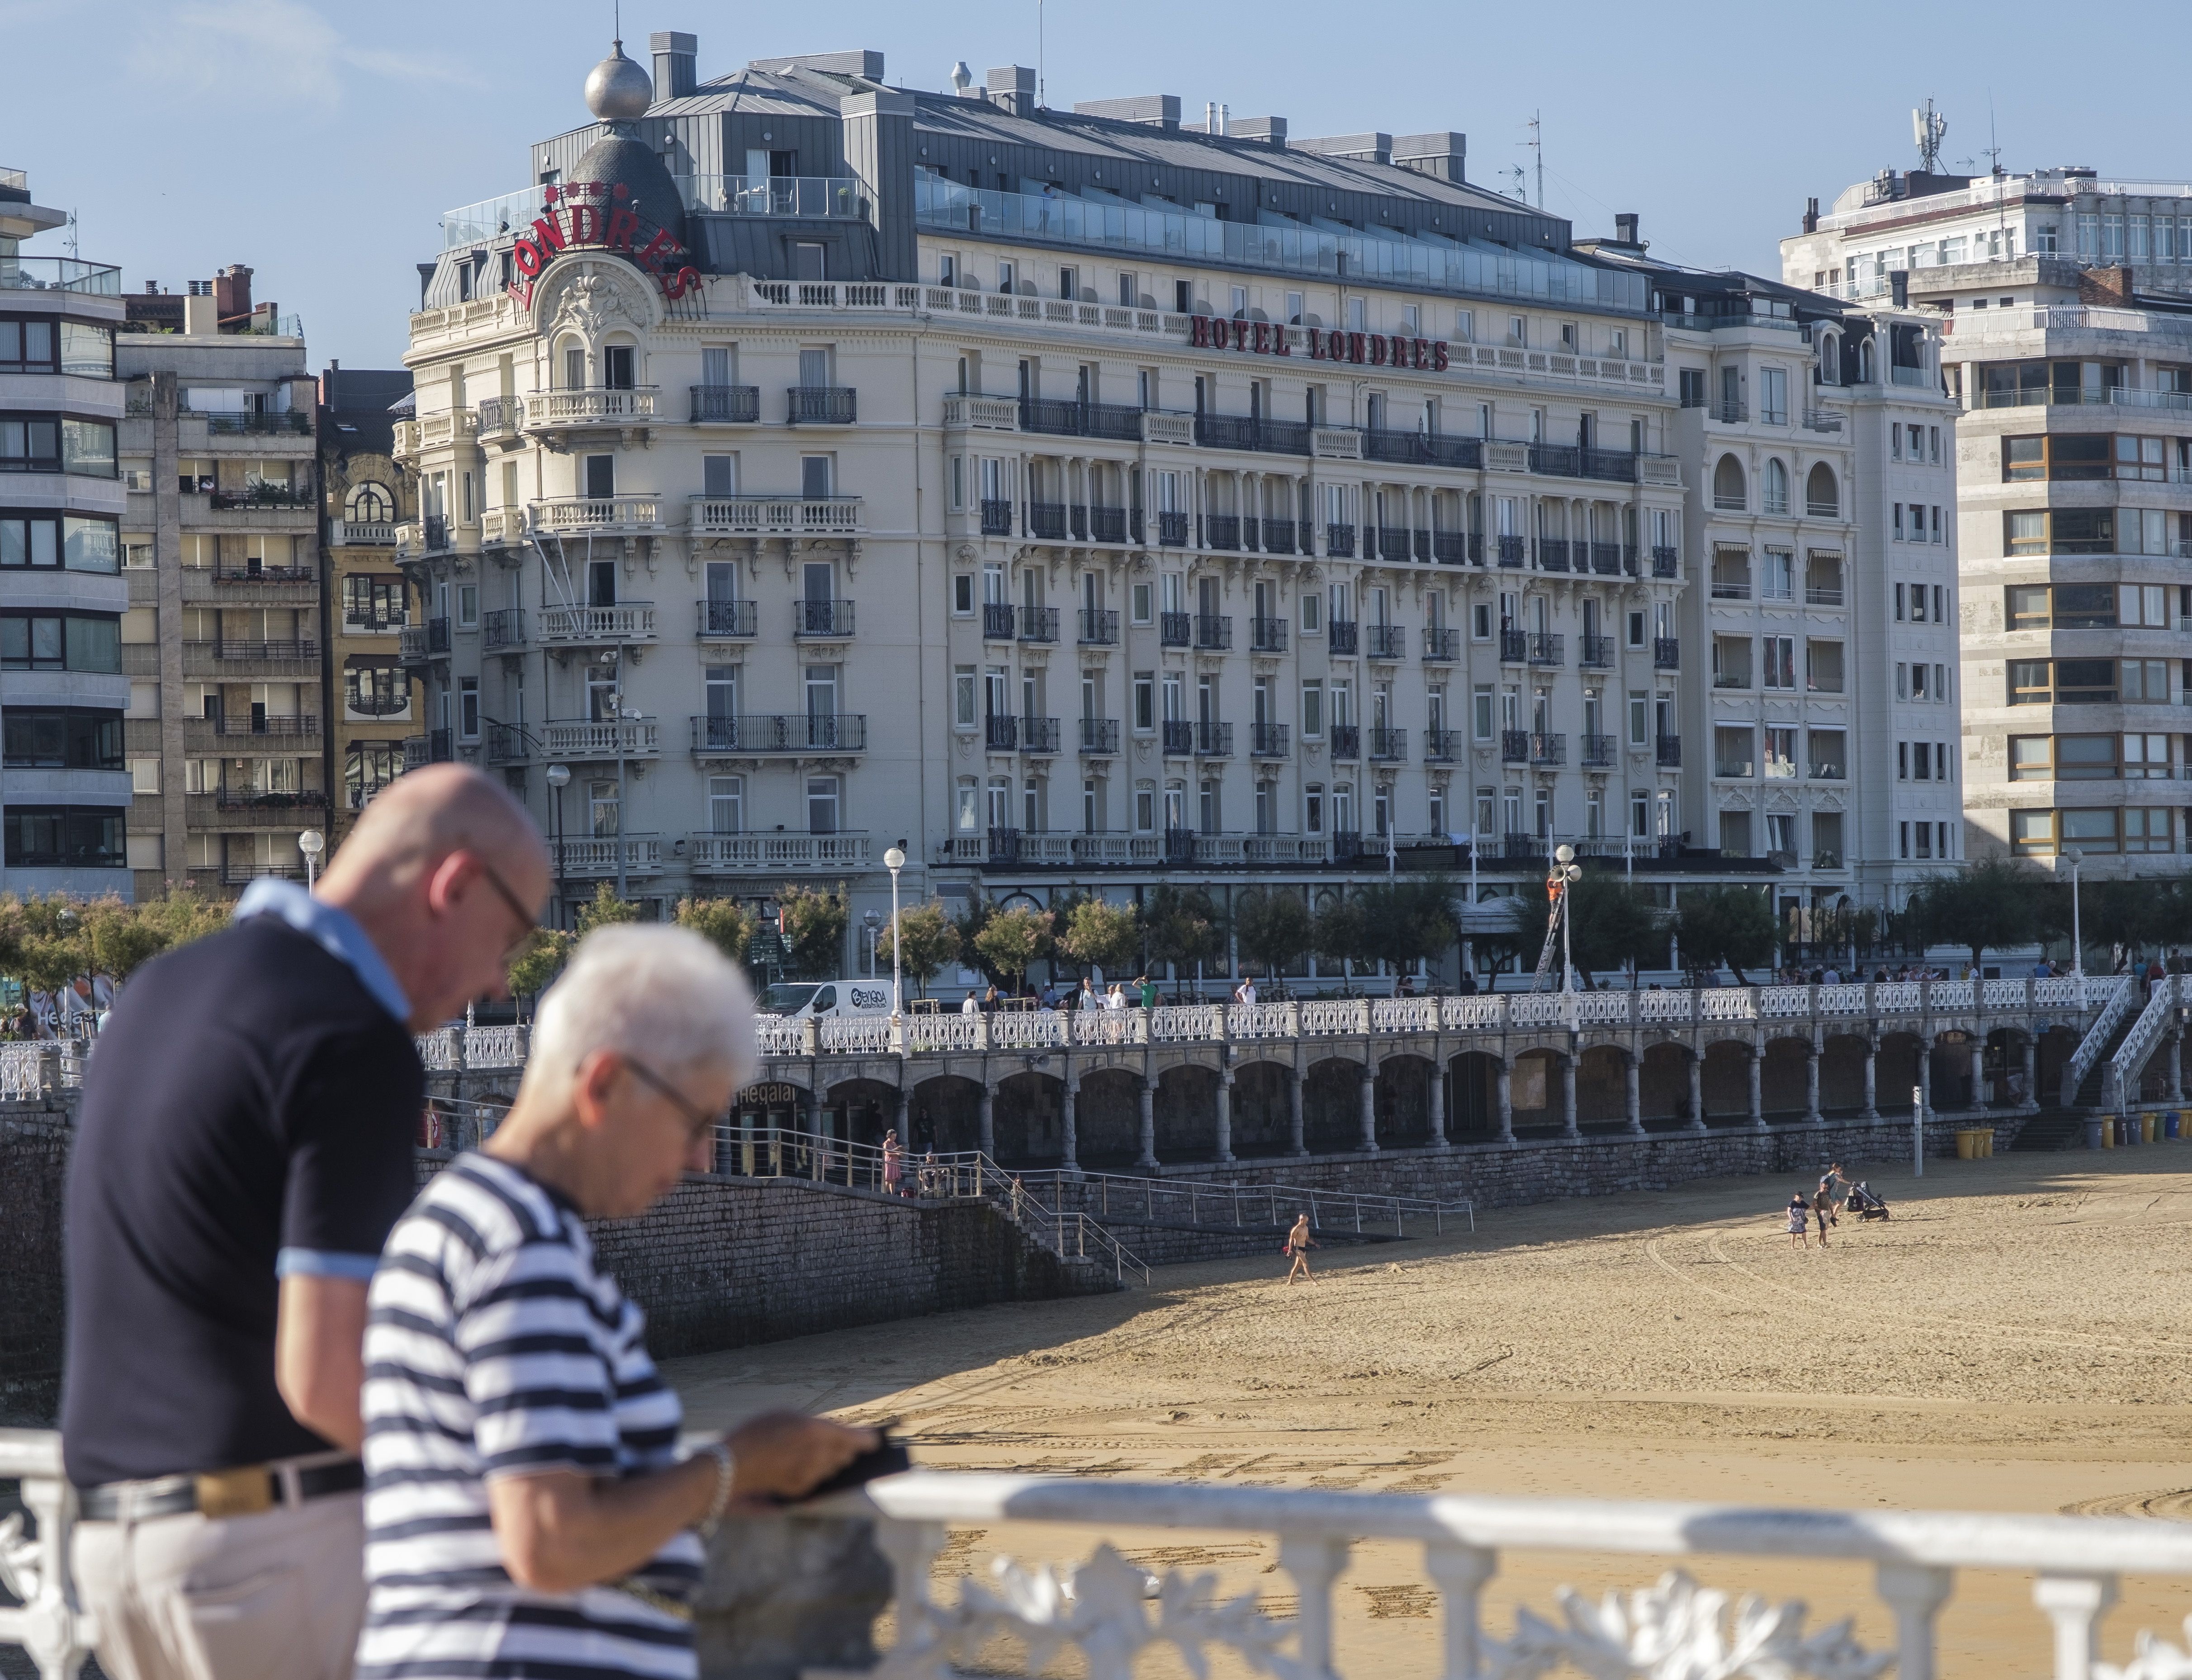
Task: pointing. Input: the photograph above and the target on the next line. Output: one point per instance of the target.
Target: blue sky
(319, 143)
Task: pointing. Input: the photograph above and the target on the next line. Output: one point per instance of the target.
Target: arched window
(1821, 495)
(571, 361)
(1831, 358)
(1729, 491)
(1864, 362)
(370, 504)
(1776, 488)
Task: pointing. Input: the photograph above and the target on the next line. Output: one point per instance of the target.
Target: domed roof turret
(617, 90)
(625, 172)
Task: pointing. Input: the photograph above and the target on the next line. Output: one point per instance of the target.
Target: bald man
(245, 1146)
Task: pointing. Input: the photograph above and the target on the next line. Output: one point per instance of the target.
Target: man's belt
(243, 1492)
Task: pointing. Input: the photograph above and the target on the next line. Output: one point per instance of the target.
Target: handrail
(2097, 1036)
(1298, 1198)
(2130, 1059)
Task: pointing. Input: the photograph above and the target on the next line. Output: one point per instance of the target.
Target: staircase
(2084, 1080)
(2052, 1129)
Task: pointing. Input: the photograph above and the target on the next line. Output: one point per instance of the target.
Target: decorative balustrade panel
(855, 1035)
(1841, 1000)
(1324, 1017)
(1258, 1020)
(779, 1037)
(1109, 1026)
(1186, 1023)
(931, 1034)
(2004, 994)
(1404, 1015)
(1780, 1002)
(1728, 1002)
(1027, 1030)
(19, 1078)
(1484, 1012)
(441, 1051)
(1666, 1006)
(1536, 1008)
(1603, 1008)
(1951, 995)
(1902, 998)
(494, 1047)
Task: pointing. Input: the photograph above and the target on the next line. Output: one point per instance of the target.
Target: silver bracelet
(726, 1466)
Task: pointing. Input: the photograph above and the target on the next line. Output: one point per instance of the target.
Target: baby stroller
(1866, 1205)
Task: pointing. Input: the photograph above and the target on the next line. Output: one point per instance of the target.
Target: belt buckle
(236, 1493)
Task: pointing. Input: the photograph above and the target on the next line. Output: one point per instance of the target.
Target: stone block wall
(33, 1167)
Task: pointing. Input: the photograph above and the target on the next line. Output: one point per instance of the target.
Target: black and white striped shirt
(493, 1347)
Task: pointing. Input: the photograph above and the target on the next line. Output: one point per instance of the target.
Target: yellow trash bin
(2108, 1133)
(1986, 1144)
(2149, 1126)
(1966, 1145)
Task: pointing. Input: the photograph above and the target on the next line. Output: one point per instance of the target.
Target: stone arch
(1895, 1070)
(2006, 1085)
(1842, 1073)
(2058, 1042)
(860, 1109)
(1401, 1102)
(1822, 494)
(1535, 1089)
(1602, 1085)
(1664, 1080)
(1472, 1096)
(1731, 488)
(945, 1112)
(1107, 1118)
(1262, 1107)
(1727, 1081)
(1955, 1086)
(1186, 1112)
(1028, 1117)
(1783, 1082)
(1332, 1107)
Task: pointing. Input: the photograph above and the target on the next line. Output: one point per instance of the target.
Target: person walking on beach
(1799, 1222)
(1823, 1206)
(1299, 1243)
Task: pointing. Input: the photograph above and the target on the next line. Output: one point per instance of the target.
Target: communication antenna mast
(1537, 144)
(1926, 129)
(1522, 176)
(73, 252)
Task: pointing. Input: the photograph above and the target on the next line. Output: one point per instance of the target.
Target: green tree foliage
(1613, 925)
(1726, 927)
(1407, 920)
(1182, 927)
(932, 940)
(1012, 940)
(1338, 933)
(1985, 905)
(722, 921)
(813, 925)
(1099, 935)
(538, 961)
(1271, 927)
(968, 927)
(605, 910)
(122, 938)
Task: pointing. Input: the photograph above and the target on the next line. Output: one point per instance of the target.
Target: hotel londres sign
(591, 216)
(1269, 338)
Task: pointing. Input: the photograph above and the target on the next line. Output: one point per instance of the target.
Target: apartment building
(364, 497)
(64, 783)
(1081, 499)
(2064, 306)
(221, 639)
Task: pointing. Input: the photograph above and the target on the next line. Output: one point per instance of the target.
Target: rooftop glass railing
(59, 274)
(1481, 269)
(15, 180)
(801, 196)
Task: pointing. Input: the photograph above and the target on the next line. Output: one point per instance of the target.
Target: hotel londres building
(808, 466)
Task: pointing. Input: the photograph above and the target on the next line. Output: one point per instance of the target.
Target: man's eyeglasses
(700, 1124)
(526, 919)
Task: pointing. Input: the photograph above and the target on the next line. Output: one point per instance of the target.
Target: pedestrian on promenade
(245, 1146)
(1246, 991)
(894, 1163)
(1149, 990)
(1299, 1243)
(532, 1512)
(1799, 1222)
(970, 1006)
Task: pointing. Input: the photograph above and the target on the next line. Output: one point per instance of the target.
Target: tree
(931, 941)
(1182, 927)
(969, 927)
(123, 937)
(1726, 927)
(1101, 936)
(183, 914)
(1611, 924)
(723, 923)
(814, 924)
(605, 910)
(1013, 940)
(1990, 904)
(49, 946)
(1337, 933)
(1271, 927)
(538, 961)
(1408, 920)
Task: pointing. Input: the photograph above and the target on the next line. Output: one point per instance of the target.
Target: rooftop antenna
(1520, 175)
(1537, 144)
(1993, 147)
(1927, 129)
(1041, 85)
(73, 252)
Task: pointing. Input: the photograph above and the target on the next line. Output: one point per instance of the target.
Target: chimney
(1898, 287)
(1013, 88)
(201, 315)
(2104, 286)
(231, 292)
(676, 59)
(1624, 228)
(1271, 130)
(1444, 154)
(1810, 216)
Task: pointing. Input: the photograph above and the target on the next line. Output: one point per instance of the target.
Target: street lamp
(1567, 871)
(895, 861)
(2074, 856)
(871, 920)
(559, 778)
(312, 843)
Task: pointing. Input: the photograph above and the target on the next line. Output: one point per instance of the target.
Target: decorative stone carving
(2152, 1658)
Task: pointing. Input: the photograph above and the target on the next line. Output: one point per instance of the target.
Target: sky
(319, 143)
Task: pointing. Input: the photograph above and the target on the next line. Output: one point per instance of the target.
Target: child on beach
(1799, 1222)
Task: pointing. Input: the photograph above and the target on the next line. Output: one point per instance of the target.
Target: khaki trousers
(278, 1596)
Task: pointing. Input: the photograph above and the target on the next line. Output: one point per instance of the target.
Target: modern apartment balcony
(1729, 411)
(1387, 641)
(1000, 621)
(1001, 732)
(588, 856)
(1823, 595)
(1041, 734)
(1172, 530)
(1270, 740)
(1267, 636)
(719, 619)
(757, 732)
(1099, 627)
(1343, 636)
(503, 630)
(1099, 737)
(1669, 752)
(250, 661)
(726, 404)
(233, 737)
(1346, 740)
(822, 405)
(1387, 744)
(1213, 632)
(1222, 532)
(775, 515)
(626, 622)
(822, 620)
(1339, 541)
(1039, 624)
(729, 853)
(1175, 630)
(594, 741)
(235, 808)
(997, 515)
(1442, 746)
(598, 516)
(1594, 653)
(559, 415)
(1547, 650)
(1214, 740)
(1596, 751)
(1178, 738)
(1666, 653)
(1514, 747)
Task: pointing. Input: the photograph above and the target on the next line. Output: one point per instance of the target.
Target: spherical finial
(962, 77)
(619, 90)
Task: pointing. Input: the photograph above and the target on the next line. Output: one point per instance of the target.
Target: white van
(795, 1000)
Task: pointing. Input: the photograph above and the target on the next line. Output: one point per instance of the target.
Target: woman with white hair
(526, 1508)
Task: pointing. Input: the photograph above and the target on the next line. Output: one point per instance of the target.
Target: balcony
(1442, 746)
(431, 748)
(1109, 524)
(503, 628)
(1729, 411)
(598, 856)
(1343, 636)
(587, 739)
(1388, 745)
(1457, 548)
(261, 494)
(725, 618)
(598, 516)
(1546, 649)
(1666, 653)
(1178, 737)
(362, 533)
(1046, 520)
(1222, 531)
(1001, 732)
(1514, 647)
(726, 404)
(1118, 422)
(1346, 740)
(1730, 588)
(1511, 552)
(1417, 449)
(822, 405)
(996, 517)
(711, 854)
(1267, 636)
(1733, 769)
(1552, 554)
(500, 418)
(1039, 624)
(775, 515)
(1000, 623)
(365, 703)
(1387, 641)
(245, 808)
(1039, 735)
(1339, 541)
(241, 661)
(1595, 652)
(1213, 632)
(216, 735)
(1665, 563)
(1172, 530)
(1547, 751)
(1099, 627)
(591, 408)
(1597, 753)
(1826, 770)
(1244, 431)
(1823, 595)
(507, 744)
(1099, 736)
(1441, 644)
(1214, 740)
(1270, 740)
(585, 627)
(756, 732)
(1175, 630)
(822, 620)
(1670, 752)
(1514, 747)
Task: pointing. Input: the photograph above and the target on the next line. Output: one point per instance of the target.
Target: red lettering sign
(585, 225)
(1269, 338)
(623, 224)
(1438, 356)
(662, 256)
(1198, 331)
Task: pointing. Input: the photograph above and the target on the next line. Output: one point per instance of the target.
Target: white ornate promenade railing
(2122, 990)
(2139, 1043)
(1206, 1202)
